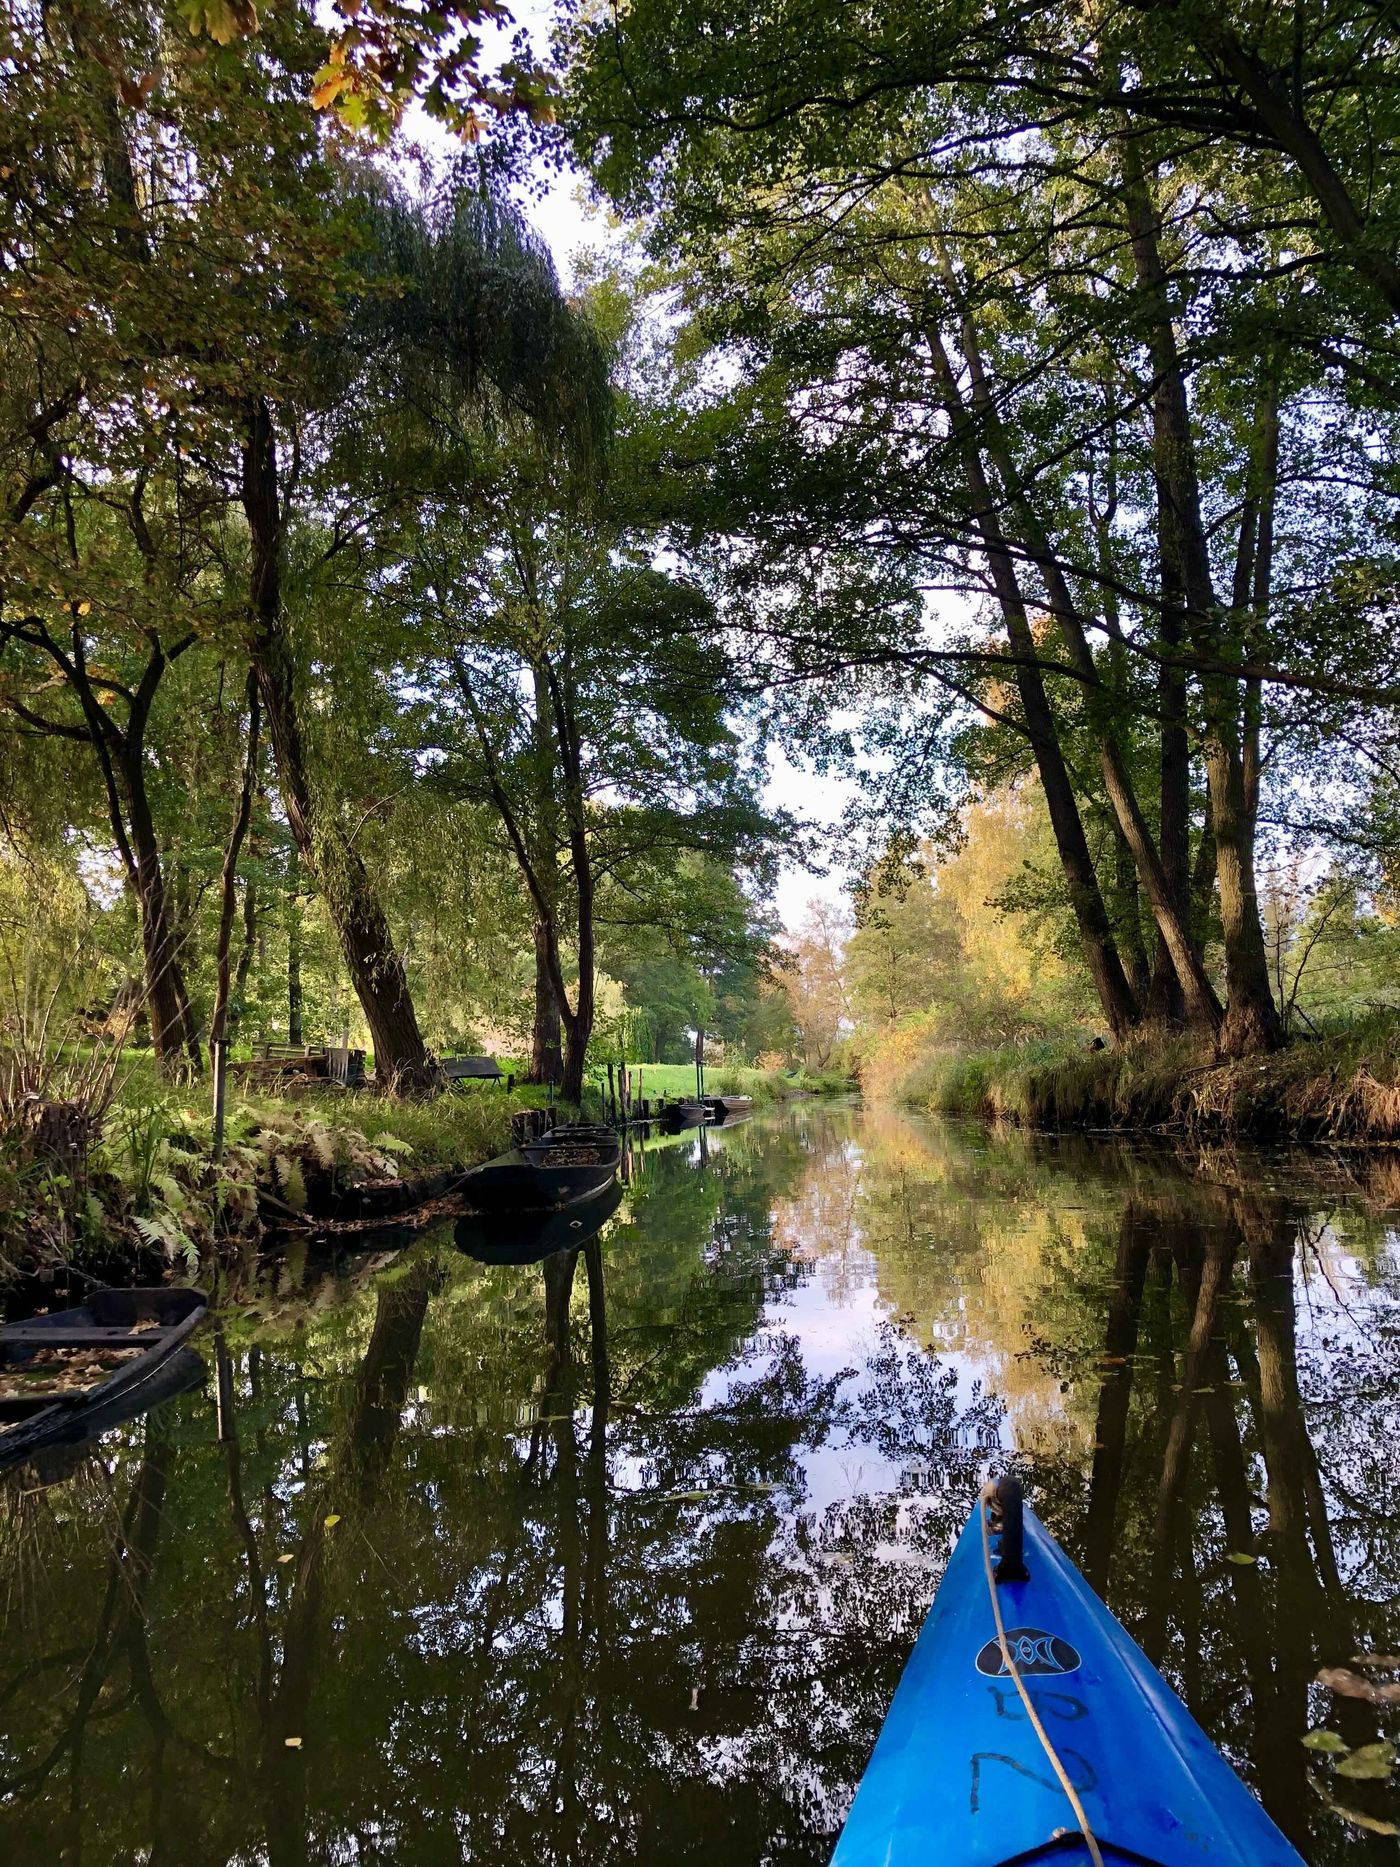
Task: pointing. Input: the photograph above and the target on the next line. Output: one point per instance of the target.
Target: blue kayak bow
(1029, 1727)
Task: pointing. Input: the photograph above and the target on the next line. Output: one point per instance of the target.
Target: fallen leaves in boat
(63, 1371)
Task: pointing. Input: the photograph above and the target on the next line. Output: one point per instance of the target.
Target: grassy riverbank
(1344, 1087)
(765, 1086)
(143, 1186)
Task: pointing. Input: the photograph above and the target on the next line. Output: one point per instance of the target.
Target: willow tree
(453, 324)
(196, 275)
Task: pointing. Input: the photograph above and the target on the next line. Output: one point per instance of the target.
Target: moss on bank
(1342, 1087)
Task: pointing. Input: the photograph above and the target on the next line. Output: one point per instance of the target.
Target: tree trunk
(238, 998)
(376, 969)
(1125, 881)
(578, 1027)
(546, 1050)
(1165, 1003)
(169, 1030)
(295, 1034)
(228, 880)
(1101, 954)
(1251, 1017)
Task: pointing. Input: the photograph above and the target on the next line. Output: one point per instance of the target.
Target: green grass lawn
(678, 1079)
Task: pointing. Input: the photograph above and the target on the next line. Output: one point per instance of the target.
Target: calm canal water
(617, 1558)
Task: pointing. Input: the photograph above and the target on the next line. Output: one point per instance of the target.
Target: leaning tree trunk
(1252, 1020)
(375, 966)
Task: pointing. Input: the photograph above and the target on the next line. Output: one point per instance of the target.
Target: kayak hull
(959, 1774)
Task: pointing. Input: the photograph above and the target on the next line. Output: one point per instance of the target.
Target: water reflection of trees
(524, 1560)
(1223, 1342)
(534, 1561)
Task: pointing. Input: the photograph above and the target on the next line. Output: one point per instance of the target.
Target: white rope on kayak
(1071, 1792)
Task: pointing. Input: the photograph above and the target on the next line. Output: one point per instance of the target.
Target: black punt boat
(729, 1108)
(57, 1372)
(684, 1112)
(555, 1170)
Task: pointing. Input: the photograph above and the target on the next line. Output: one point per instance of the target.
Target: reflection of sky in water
(839, 1332)
(726, 1632)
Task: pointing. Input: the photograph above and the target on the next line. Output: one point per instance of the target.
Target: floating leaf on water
(332, 1520)
(1372, 1823)
(1347, 1684)
(1379, 1662)
(1330, 1741)
(1370, 1763)
(1240, 1556)
(1113, 1361)
(289, 1557)
(1202, 1390)
(292, 1743)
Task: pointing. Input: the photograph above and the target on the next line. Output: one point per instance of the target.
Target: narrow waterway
(617, 1557)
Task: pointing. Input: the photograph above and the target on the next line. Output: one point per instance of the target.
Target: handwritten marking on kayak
(1082, 1773)
(1055, 1704)
(1034, 1652)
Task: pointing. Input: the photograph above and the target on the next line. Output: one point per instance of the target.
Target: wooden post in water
(700, 1063)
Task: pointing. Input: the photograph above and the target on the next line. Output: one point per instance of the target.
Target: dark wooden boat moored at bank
(57, 1372)
(729, 1108)
(528, 1237)
(683, 1112)
(553, 1171)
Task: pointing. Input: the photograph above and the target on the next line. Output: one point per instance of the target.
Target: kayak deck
(959, 1774)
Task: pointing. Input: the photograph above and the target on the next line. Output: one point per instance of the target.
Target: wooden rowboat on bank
(76, 1362)
(554, 1171)
(683, 1112)
(729, 1108)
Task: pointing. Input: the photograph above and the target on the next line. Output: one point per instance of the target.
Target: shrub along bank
(1341, 1087)
(143, 1183)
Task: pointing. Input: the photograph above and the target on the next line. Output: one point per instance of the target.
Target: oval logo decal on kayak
(1034, 1651)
